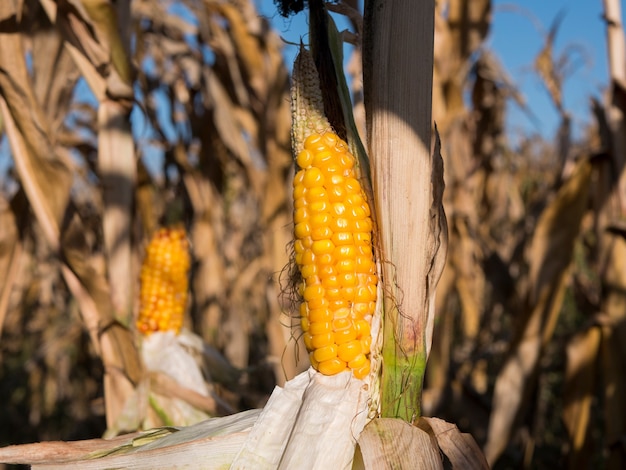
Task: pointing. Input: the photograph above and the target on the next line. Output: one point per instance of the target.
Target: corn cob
(307, 105)
(164, 282)
(333, 250)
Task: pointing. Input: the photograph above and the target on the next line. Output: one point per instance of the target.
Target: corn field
(125, 119)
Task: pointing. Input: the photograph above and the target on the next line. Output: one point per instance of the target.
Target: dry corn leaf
(460, 449)
(44, 176)
(209, 445)
(387, 444)
(580, 385)
(11, 250)
(549, 256)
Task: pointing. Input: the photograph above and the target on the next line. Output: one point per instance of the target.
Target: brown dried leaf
(11, 249)
(392, 443)
(460, 449)
(44, 176)
(549, 256)
(580, 386)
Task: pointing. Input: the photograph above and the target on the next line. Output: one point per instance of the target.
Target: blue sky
(516, 37)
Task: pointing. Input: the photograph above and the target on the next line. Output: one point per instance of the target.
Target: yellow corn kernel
(335, 257)
(320, 328)
(362, 372)
(164, 282)
(332, 366)
(320, 341)
(320, 315)
(326, 353)
(358, 362)
(349, 351)
(345, 335)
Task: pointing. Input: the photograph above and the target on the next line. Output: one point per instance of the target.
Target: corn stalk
(408, 187)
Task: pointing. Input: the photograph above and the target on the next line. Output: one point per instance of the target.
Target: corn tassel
(164, 282)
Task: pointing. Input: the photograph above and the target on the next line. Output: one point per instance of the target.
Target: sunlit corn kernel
(362, 328)
(322, 340)
(332, 366)
(300, 215)
(313, 292)
(314, 142)
(345, 252)
(299, 192)
(308, 270)
(320, 315)
(333, 293)
(347, 294)
(308, 257)
(362, 238)
(349, 351)
(314, 362)
(339, 303)
(320, 328)
(324, 259)
(342, 238)
(362, 371)
(326, 353)
(298, 178)
(345, 266)
(330, 139)
(339, 224)
(320, 219)
(302, 229)
(304, 159)
(304, 324)
(321, 233)
(322, 159)
(345, 335)
(358, 362)
(363, 225)
(318, 302)
(312, 280)
(355, 200)
(331, 282)
(363, 264)
(341, 323)
(313, 178)
(352, 185)
(308, 340)
(338, 209)
(321, 247)
(362, 295)
(298, 246)
(336, 193)
(319, 206)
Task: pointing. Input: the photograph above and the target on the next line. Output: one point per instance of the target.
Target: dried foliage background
(528, 353)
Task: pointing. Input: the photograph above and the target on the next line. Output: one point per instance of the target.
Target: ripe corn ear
(333, 250)
(164, 282)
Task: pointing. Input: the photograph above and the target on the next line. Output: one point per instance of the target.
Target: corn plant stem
(397, 67)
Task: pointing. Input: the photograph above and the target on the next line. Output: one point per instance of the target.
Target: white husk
(313, 422)
(165, 352)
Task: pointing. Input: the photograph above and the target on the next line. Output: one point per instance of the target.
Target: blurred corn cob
(164, 282)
